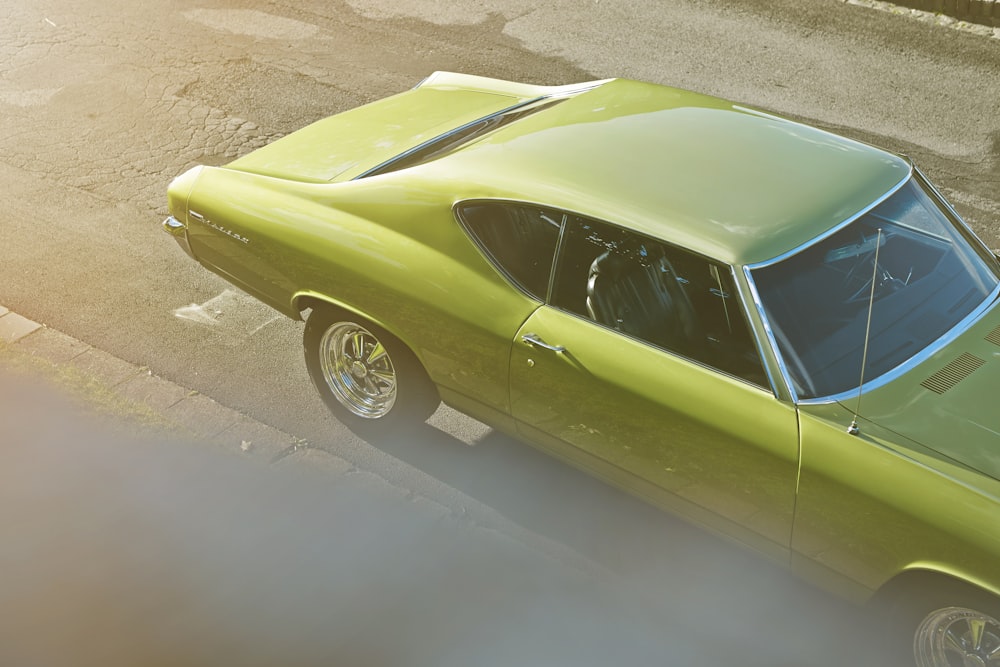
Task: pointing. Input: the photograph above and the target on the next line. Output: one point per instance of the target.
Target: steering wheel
(859, 278)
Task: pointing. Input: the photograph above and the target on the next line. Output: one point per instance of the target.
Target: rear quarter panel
(388, 250)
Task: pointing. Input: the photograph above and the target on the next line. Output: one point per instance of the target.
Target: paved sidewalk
(189, 413)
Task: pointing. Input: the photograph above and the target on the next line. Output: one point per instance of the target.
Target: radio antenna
(853, 428)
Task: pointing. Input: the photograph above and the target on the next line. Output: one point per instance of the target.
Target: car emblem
(219, 228)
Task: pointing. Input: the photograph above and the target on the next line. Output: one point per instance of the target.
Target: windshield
(928, 276)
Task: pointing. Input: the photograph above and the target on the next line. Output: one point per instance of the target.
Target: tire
(367, 377)
(961, 636)
(946, 626)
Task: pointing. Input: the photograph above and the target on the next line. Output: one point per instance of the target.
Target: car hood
(950, 402)
(348, 144)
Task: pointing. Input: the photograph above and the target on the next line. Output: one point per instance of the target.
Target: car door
(519, 241)
(640, 367)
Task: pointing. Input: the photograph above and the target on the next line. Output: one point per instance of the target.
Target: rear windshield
(446, 143)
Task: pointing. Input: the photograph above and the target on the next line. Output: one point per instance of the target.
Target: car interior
(639, 286)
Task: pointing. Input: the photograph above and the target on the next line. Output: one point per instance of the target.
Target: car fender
(875, 505)
(308, 298)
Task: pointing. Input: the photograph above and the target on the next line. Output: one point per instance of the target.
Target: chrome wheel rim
(358, 370)
(957, 637)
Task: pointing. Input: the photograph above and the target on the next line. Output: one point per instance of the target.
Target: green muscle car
(783, 335)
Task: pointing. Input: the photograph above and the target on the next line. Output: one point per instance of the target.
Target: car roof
(727, 181)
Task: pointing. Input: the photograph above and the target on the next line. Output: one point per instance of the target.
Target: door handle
(535, 341)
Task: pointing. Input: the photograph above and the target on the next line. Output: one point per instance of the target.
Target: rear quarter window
(519, 240)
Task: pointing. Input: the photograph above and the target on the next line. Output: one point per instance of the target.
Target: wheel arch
(308, 299)
(933, 579)
(361, 405)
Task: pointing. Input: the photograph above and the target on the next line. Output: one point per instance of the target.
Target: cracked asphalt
(100, 106)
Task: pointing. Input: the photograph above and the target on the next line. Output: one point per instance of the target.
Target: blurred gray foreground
(137, 553)
(130, 552)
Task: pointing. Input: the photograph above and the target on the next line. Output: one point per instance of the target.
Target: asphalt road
(100, 106)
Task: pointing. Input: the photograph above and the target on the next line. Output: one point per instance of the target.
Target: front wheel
(957, 637)
(938, 623)
(366, 376)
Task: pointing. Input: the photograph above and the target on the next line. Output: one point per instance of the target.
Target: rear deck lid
(344, 146)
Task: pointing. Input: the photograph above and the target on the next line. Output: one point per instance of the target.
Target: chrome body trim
(985, 307)
(173, 226)
(430, 142)
(759, 306)
(178, 231)
(758, 343)
(935, 346)
(836, 228)
(535, 341)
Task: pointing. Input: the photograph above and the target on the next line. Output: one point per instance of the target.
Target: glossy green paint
(344, 146)
(180, 191)
(848, 512)
(300, 246)
(963, 422)
(874, 505)
(341, 147)
(635, 413)
(723, 180)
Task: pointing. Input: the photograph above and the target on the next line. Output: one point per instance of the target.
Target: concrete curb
(984, 12)
(981, 17)
(194, 415)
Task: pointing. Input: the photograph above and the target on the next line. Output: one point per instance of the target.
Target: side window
(519, 239)
(655, 292)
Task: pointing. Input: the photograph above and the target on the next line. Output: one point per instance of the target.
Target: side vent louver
(994, 336)
(953, 373)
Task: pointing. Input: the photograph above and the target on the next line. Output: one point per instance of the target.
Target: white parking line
(232, 315)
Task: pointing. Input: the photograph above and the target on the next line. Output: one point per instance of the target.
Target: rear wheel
(366, 376)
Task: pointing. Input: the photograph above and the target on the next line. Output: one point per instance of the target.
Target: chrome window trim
(758, 303)
(457, 211)
(930, 350)
(441, 137)
(836, 228)
(556, 264)
(760, 345)
(554, 271)
(948, 337)
(663, 350)
(775, 350)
